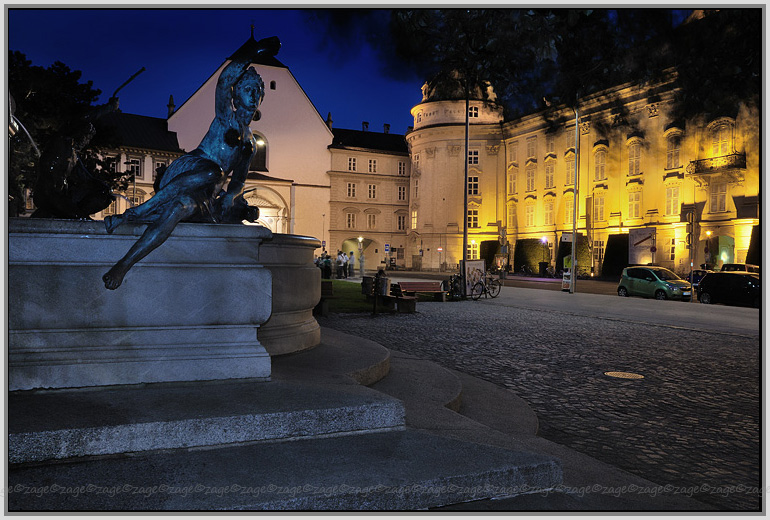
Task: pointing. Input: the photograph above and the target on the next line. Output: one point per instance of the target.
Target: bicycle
(453, 286)
(488, 286)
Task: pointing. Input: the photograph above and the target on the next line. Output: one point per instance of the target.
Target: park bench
(414, 288)
(327, 293)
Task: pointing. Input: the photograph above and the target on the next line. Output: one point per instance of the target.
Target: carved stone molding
(454, 150)
(652, 109)
(585, 127)
(493, 149)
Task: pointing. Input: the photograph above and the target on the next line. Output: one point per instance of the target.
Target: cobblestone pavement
(692, 422)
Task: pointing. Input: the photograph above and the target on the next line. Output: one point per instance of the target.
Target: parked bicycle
(489, 286)
(453, 286)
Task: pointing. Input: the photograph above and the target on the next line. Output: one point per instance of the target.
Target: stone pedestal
(189, 311)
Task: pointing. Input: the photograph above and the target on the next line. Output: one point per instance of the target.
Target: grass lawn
(348, 298)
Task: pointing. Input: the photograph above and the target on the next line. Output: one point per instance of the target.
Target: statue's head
(249, 91)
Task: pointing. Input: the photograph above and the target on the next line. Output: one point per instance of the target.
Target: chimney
(171, 106)
(386, 128)
(365, 126)
(329, 120)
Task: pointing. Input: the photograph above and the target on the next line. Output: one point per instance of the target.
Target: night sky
(181, 48)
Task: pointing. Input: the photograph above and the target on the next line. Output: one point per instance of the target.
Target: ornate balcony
(718, 164)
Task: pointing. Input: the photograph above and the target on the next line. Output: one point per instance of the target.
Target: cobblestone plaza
(691, 422)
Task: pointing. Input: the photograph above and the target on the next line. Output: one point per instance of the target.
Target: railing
(716, 164)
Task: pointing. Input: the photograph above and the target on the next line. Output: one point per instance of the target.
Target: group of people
(345, 265)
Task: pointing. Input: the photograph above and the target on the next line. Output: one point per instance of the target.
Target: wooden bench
(402, 304)
(327, 293)
(413, 288)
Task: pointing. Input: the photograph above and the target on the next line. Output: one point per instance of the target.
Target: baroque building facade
(638, 172)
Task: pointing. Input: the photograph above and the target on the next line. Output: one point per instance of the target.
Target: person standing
(352, 264)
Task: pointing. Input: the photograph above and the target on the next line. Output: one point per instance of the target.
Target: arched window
(634, 158)
(673, 146)
(721, 136)
(259, 161)
(600, 164)
(272, 85)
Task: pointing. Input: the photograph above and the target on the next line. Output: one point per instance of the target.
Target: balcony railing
(717, 164)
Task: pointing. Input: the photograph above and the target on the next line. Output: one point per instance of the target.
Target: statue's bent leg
(199, 179)
(155, 234)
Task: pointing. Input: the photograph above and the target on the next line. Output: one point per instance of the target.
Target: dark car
(730, 288)
(696, 276)
(747, 268)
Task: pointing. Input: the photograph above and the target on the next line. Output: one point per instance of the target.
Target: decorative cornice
(652, 109)
(585, 127)
(493, 149)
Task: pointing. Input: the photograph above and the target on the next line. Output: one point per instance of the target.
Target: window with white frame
(416, 162)
(473, 185)
(720, 140)
(401, 222)
(568, 210)
(351, 189)
(111, 209)
(673, 146)
(473, 218)
(531, 147)
(548, 212)
(600, 164)
(550, 144)
(635, 158)
(473, 157)
(351, 220)
(672, 250)
(473, 251)
(351, 164)
(513, 152)
(402, 193)
(473, 112)
(401, 168)
(530, 177)
(550, 167)
(372, 165)
(136, 197)
(570, 180)
(599, 207)
(672, 200)
(511, 217)
(158, 166)
(134, 167)
(598, 252)
(718, 197)
(530, 215)
(511, 182)
(372, 191)
(414, 219)
(635, 204)
(416, 188)
(371, 221)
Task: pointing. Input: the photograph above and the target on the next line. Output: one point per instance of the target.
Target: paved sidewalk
(691, 423)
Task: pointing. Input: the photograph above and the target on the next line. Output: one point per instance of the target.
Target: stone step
(404, 470)
(65, 424)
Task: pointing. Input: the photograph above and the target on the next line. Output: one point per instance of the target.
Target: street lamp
(544, 240)
(360, 255)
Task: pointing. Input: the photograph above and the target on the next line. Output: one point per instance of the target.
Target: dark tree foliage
(539, 57)
(615, 256)
(754, 254)
(52, 102)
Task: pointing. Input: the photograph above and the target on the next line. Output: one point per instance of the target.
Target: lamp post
(575, 200)
(360, 255)
(544, 240)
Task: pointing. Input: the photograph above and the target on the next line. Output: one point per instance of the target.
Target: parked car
(696, 276)
(747, 268)
(653, 282)
(731, 288)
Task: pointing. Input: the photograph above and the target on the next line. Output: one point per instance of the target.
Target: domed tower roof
(449, 86)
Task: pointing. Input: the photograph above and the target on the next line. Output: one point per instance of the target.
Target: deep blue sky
(181, 48)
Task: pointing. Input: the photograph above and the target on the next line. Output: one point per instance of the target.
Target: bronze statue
(192, 186)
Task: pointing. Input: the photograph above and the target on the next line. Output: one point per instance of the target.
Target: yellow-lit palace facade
(632, 167)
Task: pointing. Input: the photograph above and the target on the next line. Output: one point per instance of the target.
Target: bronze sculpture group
(194, 186)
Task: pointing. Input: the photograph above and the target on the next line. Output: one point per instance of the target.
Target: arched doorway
(273, 210)
(370, 249)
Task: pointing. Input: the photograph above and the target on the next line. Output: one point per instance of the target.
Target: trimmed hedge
(582, 251)
(615, 256)
(529, 252)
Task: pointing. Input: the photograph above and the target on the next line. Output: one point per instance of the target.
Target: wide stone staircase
(348, 425)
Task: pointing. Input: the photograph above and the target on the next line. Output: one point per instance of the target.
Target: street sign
(439, 249)
(387, 248)
(323, 244)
